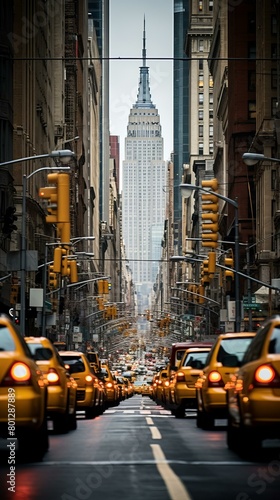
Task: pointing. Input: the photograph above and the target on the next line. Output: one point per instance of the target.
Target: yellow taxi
(159, 387)
(137, 386)
(23, 395)
(254, 392)
(88, 389)
(62, 388)
(182, 385)
(222, 361)
(111, 386)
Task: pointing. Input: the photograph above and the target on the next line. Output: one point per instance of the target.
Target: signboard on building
(77, 337)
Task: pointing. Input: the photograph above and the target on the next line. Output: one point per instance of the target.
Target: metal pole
(236, 265)
(23, 258)
(249, 290)
(43, 319)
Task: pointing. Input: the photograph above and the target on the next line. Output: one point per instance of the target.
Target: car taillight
(19, 374)
(166, 383)
(180, 377)
(215, 379)
(266, 376)
(109, 384)
(88, 379)
(53, 377)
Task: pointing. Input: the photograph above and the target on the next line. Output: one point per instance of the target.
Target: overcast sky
(126, 36)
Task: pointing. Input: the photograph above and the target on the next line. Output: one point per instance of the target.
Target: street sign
(251, 306)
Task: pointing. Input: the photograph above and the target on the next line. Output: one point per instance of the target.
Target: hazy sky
(126, 34)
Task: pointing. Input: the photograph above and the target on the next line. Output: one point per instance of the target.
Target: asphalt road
(138, 450)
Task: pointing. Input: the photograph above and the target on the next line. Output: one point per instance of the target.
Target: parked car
(88, 389)
(254, 392)
(222, 361)
(182, 386)
(23, 394)
(62, 388)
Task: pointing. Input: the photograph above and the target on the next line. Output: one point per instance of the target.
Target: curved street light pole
(192, 187)
(64, 155)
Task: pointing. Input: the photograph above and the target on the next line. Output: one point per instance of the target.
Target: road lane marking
(149, 421)
(174, 485)
(155, 432)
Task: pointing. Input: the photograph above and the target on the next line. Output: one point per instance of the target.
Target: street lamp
(253, 158)
(64, 156)
(185, 190)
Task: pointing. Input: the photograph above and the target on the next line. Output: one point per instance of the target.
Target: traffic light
(58, 197)
(53, 282)
(205, 278)
(210, 214)
(211, 264)
(201, 291)
(9, 219)
(57, 259)
(103, 287)
(228, 261)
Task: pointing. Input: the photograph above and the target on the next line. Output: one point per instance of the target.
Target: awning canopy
(263, 293)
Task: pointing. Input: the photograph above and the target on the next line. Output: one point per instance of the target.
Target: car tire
(61, 420)
(179, 412)
(233, 437)
(34, 445)
(72, 420)
(90, 412)
(204, 420)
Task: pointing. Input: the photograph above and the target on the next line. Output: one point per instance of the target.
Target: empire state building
(144, 181)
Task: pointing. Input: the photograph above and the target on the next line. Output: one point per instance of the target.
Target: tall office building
(144, 182)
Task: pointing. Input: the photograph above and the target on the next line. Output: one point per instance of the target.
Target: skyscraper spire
(144, 99)
(144, 46)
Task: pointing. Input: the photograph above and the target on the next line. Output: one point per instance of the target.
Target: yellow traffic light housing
(211, 264)
(58, 197)
(210, 217)
(53, 282)
(228, 261)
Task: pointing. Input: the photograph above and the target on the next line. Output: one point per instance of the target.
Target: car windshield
(76, 364)
(195, 360)
(233, 347)
(6, 339)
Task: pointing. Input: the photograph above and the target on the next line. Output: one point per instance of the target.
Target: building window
(252, 50)
(201, 45)
(211, 131)
(273, 78)
(210, 81)
(273, 51)
(211, 114)
(251, 110)
(274, 107)
(251, 81)
(200, 98)
(274, 25)
(200, 130)
(210, 5)
(211, 148)
(200, 148)
(200, 64)
(200, 5)
(200, 81)
(210, 98)
(200, 114)
(273, 179)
